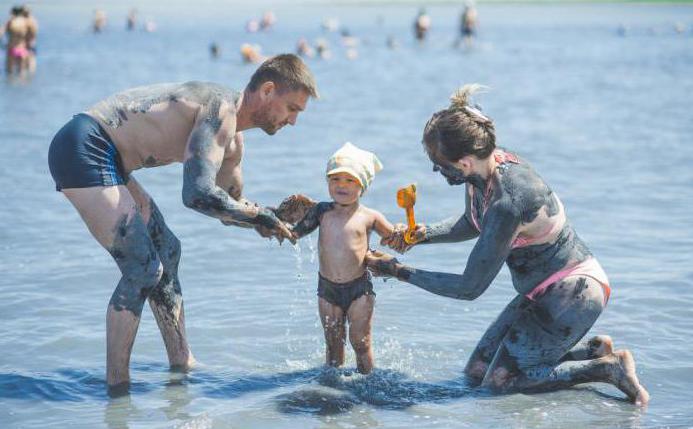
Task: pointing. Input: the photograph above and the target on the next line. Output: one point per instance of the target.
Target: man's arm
(311, 220)
(230, 177)
(214, 127)
(484, 263)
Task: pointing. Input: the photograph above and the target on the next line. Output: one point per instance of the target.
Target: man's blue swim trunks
(82, 155)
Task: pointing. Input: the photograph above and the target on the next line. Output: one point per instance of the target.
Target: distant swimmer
(322, 46)
(347, 39)
(252, 26)
(21, 30)
(149, 26)
(251, 53)
(131, 22)
(198, 124)
(330, 25)
(391, 42)
(99, 21)
(304, 49)
(422, 24)
(268, 20)
(468, 24)
(31, 36)
(214, 50)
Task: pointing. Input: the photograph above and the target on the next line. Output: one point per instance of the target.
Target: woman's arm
(450, 230)
(486, 259)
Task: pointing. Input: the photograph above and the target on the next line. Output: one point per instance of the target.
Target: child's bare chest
(335, 228)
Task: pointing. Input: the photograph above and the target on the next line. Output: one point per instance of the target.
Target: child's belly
(342, 264)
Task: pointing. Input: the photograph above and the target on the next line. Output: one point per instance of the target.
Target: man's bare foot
(118, 390)
(187, 366)
(600, 346)
(624, 377)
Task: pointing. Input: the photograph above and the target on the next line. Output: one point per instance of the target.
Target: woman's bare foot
(600, 346)
(624, 377)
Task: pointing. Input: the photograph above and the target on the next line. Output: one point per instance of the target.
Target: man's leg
(166, 300)
(332, 318)
(360, 314)
(529, 357)
(112, 218)
(486, 349)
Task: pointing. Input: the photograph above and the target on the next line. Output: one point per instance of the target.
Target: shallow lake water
(602, 113)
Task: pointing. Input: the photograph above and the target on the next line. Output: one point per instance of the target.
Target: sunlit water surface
(604, 117)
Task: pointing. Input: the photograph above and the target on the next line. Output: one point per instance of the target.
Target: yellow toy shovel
(406, 198)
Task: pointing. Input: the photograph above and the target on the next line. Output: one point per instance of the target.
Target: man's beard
(262, 120)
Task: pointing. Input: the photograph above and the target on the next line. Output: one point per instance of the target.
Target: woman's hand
(396, 240)
(381, 264)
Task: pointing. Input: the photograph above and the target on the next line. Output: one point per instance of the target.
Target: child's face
(344, 188)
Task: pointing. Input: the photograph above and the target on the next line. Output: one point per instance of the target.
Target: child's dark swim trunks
(343, 294)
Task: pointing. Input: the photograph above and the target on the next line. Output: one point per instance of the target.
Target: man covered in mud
(198, 124)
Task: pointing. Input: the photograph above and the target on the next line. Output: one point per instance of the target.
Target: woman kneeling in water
(518, 220)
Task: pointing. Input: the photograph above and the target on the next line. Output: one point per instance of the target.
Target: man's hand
(268, 225)
(294, 208)
(396, 240)
(381, 264)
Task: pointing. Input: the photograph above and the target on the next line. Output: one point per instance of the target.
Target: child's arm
(311, 220)
(381, 225)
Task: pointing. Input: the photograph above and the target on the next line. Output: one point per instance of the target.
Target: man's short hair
(288, 72)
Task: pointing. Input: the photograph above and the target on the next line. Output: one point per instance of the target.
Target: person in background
(21, 29)
(468, 24)
(131, 19)
(99, 21)
(422, 24)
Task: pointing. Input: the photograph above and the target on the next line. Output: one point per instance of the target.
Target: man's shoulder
(209, 88)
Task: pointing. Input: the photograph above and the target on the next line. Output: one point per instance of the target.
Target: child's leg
(359, 315)
(332, 318)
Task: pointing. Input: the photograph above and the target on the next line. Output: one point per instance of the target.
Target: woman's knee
(476, 370)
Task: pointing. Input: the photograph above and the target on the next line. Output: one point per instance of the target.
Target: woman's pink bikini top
(554, 226)
(588, 268)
